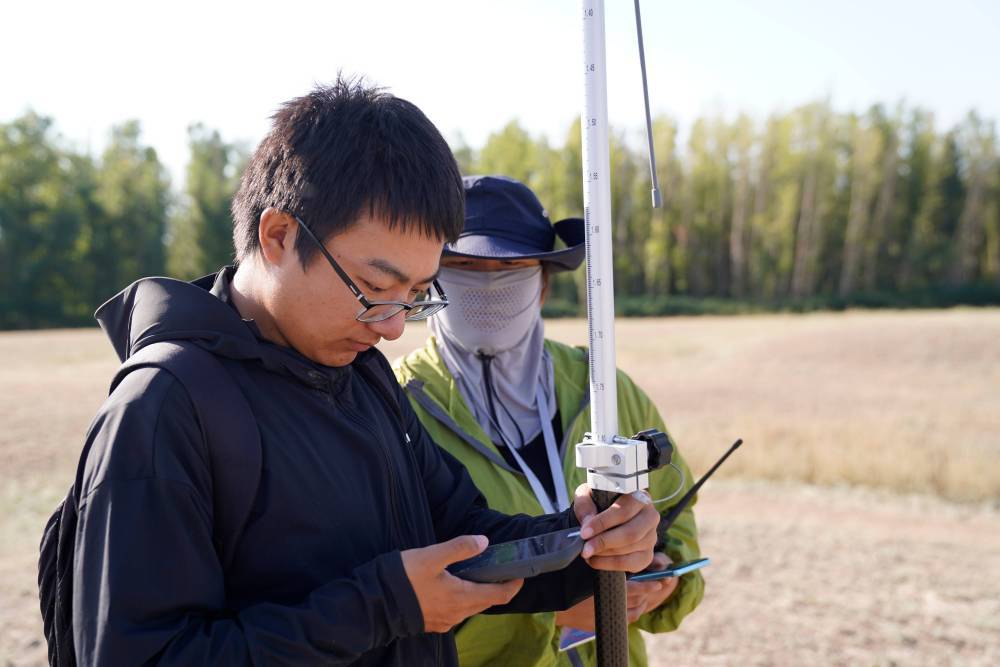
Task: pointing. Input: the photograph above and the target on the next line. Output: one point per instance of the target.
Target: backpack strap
(228, 427)
(55, 582)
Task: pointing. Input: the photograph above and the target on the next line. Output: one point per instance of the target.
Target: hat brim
(479, 246)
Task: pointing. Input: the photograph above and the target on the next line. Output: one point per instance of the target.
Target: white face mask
(490, 311)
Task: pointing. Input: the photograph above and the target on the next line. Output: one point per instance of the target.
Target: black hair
(340, 150)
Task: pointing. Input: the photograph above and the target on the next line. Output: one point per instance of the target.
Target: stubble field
(859, 525)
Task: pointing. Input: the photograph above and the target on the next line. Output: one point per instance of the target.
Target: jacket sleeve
(458, 508)
(682, 537)
(148, 586)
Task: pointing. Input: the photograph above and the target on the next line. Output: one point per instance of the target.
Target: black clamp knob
(659, 448)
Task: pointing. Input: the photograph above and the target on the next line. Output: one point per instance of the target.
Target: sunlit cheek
(337, 320)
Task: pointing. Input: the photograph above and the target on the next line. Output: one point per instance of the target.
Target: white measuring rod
(613, 463)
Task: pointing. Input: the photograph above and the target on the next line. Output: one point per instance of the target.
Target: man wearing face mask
(511, 405)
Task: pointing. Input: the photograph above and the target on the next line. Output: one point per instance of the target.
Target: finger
(660, 561)
(456, 549)
(635, 612)
(639, 532)
(621, 511)
(643, 599)
(637, 589)
(612, 545)
(510, 589)
(583, 504)
(633, 562)
(483, 596)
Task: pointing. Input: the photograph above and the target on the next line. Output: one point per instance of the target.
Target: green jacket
(533, 639)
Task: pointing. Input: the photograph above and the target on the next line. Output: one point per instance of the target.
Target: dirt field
(801, 574)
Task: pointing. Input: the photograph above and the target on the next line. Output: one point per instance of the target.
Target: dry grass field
(908, 401)
(859, 525)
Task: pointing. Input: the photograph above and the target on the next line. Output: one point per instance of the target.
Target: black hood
(156, 309)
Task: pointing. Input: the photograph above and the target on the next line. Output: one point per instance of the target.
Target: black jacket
(317, 576)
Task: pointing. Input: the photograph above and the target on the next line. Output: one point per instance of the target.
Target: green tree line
(75, 228)
(807, 208)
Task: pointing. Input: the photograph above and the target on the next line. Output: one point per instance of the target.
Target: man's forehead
(396, 273)
(401, 252)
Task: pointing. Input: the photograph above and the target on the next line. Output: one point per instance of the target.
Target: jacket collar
(428, 381)
(155, 309)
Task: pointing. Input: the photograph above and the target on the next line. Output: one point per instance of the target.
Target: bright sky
(473, 65)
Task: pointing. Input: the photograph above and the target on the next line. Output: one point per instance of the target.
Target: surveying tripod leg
(610, 611)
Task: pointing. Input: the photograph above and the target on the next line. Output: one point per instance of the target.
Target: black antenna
(675, 511)
(657, 201)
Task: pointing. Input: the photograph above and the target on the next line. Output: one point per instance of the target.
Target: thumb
(458, 548)
(583, 504)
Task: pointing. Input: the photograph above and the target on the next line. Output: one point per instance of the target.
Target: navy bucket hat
(505, 220)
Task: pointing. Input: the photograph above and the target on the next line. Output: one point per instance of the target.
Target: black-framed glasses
(377, 311)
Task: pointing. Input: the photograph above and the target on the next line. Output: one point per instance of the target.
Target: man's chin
(338, 358)
(335, 358)
(340, 354)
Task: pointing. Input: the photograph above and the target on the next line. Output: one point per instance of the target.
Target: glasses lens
(423, 311)
(379, 312)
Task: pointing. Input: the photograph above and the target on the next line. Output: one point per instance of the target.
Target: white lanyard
(552, 452)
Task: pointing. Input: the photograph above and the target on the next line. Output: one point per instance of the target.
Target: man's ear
(276, 234)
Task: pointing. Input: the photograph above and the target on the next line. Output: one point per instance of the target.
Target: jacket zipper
(395, 526)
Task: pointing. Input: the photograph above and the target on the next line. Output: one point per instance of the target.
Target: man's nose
(389, 329)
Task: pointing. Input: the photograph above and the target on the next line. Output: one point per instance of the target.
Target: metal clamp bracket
(623, 465)
(619, 466)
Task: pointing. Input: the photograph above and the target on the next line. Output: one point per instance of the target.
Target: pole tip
(657, 200)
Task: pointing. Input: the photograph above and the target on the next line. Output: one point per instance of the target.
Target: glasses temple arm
(329, 258)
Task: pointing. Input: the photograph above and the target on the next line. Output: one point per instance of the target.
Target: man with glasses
(339, 225)
(423, 306)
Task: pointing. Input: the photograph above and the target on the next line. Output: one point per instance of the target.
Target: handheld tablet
(672, 570)
(521, 558)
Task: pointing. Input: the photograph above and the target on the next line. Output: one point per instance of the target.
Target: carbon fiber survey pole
(612, 624)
